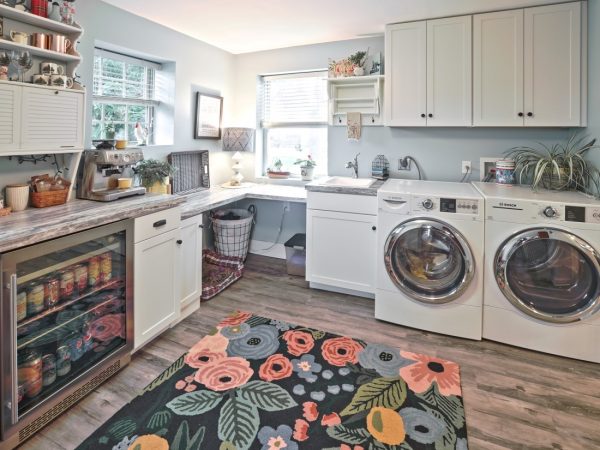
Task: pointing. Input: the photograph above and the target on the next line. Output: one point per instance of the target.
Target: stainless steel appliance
(66, 324)
(99, 171)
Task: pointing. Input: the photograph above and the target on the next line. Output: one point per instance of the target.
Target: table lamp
(237, 140)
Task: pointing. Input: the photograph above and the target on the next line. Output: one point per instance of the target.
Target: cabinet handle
(430, 115)
(200, 226)
(520, 114)
(179, 241)
(529, 114)
(423, 116)
(159, 223)
(56, 92)
(373, 228)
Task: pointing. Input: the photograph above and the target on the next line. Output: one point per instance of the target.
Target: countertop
(35, 225)
(319, 186)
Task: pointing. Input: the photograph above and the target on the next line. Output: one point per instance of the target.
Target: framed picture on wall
(209, 111)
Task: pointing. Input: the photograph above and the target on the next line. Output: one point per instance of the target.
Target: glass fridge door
(69, 305)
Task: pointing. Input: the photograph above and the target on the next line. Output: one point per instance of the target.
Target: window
(293, 116)
(124, 97)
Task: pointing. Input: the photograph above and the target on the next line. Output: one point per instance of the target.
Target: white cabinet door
(155, 304)
(10, 105)
(406, 74)
(553, 61)
(52, 120)
(498, 69)
(449, 56)
(341, 250)
(190, 260)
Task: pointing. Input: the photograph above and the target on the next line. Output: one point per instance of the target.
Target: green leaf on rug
(256, 320)
(386, 392)
(194, 403)
(450, 406)
(122, 428)
(376, 445)
(267, 396)
(159, 419)
(183, 440)
(167, 374)
(238, 423)
(348, 435)
(317, 334)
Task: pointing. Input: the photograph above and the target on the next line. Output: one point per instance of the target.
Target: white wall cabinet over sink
(530, 66)
(189, 279)
(155, 290)
(341, 242)
(37, 119)
(428, 73)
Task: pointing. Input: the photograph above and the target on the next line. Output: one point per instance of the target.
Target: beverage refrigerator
(66, 324)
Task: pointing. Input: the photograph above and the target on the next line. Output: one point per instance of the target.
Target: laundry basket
(232, 228)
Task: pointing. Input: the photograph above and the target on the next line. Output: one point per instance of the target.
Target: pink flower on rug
(202, 358)
(426, 370)
(235, 319)
(330, 420)
(347, 447)
(216, 343)
(341, 351)
(181, 384)
(301, 430)
(276, 367)
(224, 374)
(298, 342)
(309, 411)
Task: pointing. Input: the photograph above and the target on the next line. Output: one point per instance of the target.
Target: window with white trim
(124, 97)
(293, 117)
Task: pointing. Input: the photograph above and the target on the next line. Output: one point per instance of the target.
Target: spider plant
(557, 167)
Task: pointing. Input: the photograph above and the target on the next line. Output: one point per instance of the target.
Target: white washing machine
(542, 270)
(430, 255)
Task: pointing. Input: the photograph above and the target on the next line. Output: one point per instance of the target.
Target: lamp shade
(238, 139)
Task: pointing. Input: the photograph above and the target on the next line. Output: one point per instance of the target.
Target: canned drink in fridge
(63, 360)
(35, 297)
(48, 369)
(51, 292)
(105, 267)
(67, 284)
(21, 305)
(30, 373)
(80, 272)
(93, 271)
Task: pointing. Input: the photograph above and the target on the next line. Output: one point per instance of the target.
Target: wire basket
(232, 229)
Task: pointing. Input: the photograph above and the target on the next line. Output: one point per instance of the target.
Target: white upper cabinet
(406, 74)
(449, 56)
(10, 101)
(553, 65)
(498, 69)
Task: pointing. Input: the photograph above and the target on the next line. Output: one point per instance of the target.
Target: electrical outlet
(404, 163)
(466, 167)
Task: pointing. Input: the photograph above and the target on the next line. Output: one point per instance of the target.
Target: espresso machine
(100, 170)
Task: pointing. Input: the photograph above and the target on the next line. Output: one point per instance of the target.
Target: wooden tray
(49, 198)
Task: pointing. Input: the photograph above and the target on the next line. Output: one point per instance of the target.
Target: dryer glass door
(549, 274)
(428, 260)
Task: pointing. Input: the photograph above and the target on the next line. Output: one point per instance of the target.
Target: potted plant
(559, 167)
(154, 175)
(358, 60)
(307, 167)
(109, 131)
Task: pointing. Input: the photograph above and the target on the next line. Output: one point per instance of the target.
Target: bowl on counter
(125, 183)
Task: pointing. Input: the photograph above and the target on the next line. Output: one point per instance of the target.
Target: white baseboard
(260, 248)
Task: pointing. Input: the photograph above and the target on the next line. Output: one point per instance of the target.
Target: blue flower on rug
(235, 331)
(306, 367)
(281, 438)
(386, 361)
(260, 342)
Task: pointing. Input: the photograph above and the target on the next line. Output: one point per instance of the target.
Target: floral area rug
(257, 383)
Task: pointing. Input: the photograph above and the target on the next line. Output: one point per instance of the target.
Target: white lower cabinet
(341, 250)
(156, 304)
(189, 279)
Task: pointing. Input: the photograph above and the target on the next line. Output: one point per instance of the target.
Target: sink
(349, 182)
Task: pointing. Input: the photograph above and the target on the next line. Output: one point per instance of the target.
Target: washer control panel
(423, 203)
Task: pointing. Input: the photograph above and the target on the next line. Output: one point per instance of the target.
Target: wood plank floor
(514, 398)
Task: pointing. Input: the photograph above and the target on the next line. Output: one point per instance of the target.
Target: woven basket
(49, 198)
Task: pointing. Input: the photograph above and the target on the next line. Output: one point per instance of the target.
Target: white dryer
(542, 271)
(430, 255)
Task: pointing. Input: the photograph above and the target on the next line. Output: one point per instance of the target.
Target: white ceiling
(242, 26)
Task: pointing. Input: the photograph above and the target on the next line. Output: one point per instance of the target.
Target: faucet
(353, 165)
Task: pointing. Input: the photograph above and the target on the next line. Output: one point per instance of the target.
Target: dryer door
(429, 260)
(549, 274)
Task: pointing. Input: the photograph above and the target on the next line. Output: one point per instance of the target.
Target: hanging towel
(354, 125)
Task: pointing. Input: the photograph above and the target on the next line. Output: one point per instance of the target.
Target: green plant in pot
(154, 175)
(358, 60)
(307, 167)
(560, 167)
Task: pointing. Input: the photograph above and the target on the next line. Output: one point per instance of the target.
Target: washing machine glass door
(549, 274)
(428, 260)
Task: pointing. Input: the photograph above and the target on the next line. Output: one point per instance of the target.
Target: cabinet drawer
(154, 224)
(358, 204)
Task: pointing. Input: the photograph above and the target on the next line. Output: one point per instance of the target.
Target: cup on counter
(17, 196)
(41, 40)
(50, 68)
(61, 81)
(121, 144)
(505, 171)
(19, 37)
(125, 183)
(41, 79)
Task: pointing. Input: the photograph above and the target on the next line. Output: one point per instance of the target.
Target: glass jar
(51, 291)
(21, 305)
(105, 267)
(93, 271)
(35, 297)
(30, 372)
(48, 369)
(80, 271)
(67, 284)
(63, 360)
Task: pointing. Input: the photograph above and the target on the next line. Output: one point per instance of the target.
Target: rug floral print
(257, 383)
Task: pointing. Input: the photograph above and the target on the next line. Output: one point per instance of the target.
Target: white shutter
(9, 120)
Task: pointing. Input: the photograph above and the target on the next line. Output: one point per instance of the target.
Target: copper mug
(41, 40)
(61, 44)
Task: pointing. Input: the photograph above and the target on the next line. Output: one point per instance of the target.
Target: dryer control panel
(423, 203)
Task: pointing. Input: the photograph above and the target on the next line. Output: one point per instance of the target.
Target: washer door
(428, 260)
(549, 274)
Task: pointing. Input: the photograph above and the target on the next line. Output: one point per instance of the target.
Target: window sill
(294, 181)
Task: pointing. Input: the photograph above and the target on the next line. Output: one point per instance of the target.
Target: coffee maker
(100, 170)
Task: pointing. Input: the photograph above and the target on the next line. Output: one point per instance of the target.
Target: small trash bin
(295, 255)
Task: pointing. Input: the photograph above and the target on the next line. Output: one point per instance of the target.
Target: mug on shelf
(61, 44)
(41, 79)
(49, 68)
(41, 40)
(17, 196)
(61, 81)
(19, 37)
